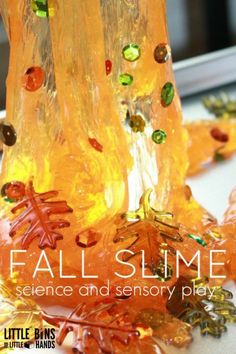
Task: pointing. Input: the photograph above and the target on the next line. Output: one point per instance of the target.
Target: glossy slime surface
(87, 135)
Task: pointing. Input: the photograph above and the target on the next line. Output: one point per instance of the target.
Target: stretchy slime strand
(110, 140)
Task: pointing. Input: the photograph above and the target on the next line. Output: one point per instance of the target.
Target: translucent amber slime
(73, 138)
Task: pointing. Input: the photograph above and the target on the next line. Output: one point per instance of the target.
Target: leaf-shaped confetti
(151, 233)
(221, 106)
(146, 211)
(16, 312)
(210, 312)
(36, 212)
(103, 322)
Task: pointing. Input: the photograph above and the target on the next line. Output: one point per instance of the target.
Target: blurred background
(200, 26)
(4, 57)
(196, 27)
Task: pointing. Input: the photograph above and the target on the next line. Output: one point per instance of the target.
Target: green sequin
(9, 200)
(131, 52)
(198, 239)
(167, 94)
(159, 136)
(41, 8)
(218, 157)
(126, 79)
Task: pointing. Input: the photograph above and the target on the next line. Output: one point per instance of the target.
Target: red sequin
(108, 65)
(218, 135)
(95, 144)
(33, 78)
